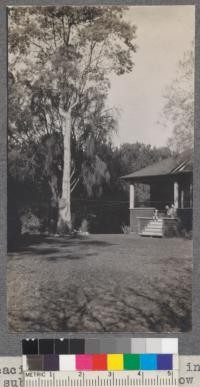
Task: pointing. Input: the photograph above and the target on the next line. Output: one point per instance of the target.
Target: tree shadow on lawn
(166, 310)
(71, 257)
(34, 240)
(33, 244)
(86, 242)
(174, 306)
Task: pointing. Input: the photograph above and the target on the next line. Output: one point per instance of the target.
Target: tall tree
(66, 54)
(36, 146)
(179, 106)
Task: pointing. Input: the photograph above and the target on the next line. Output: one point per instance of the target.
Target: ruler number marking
(111, 379)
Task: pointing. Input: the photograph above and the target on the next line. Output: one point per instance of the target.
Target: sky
(164, 33)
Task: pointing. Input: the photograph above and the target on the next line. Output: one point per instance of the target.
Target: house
(171, 183)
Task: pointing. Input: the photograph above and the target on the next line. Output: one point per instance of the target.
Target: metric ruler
(101, 379)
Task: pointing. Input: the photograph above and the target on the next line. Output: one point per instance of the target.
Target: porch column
(132, 197)
(191, 195)
(176, 194)
(182, 198)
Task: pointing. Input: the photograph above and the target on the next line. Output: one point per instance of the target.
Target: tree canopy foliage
(60, 59)
(179, 106)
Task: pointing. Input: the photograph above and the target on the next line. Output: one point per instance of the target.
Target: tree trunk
(64, 202)
(53, 211)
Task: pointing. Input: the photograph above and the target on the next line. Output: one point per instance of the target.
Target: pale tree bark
(64, 224)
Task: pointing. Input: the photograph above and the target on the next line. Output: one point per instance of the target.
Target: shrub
(84, 226)
(125, 229)
(30, 222)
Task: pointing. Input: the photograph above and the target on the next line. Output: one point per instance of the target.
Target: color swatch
(105, 354)
(113, 345)
(100, 362)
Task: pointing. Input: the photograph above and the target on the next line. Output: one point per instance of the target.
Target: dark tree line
(104, 204)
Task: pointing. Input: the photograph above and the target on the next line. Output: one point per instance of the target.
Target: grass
(110, 283)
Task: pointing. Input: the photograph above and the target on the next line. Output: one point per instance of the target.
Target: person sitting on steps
(171, 212)
(155, 214)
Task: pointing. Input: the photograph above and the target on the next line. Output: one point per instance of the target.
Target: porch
(170, 183)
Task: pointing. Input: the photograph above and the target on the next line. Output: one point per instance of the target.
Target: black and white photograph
(100, 168)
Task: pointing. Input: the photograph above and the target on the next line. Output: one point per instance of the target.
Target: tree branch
(39, 46)
(63, 28)
(74, 184)
(54, 33)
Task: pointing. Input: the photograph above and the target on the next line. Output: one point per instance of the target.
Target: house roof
(173, 165)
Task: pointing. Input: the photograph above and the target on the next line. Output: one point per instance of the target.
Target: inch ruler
(101, 379)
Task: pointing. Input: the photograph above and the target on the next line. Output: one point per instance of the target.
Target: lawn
(101, 283)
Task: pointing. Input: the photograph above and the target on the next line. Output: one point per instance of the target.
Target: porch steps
(153, 228)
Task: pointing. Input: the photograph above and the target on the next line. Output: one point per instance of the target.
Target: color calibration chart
(100, 362)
